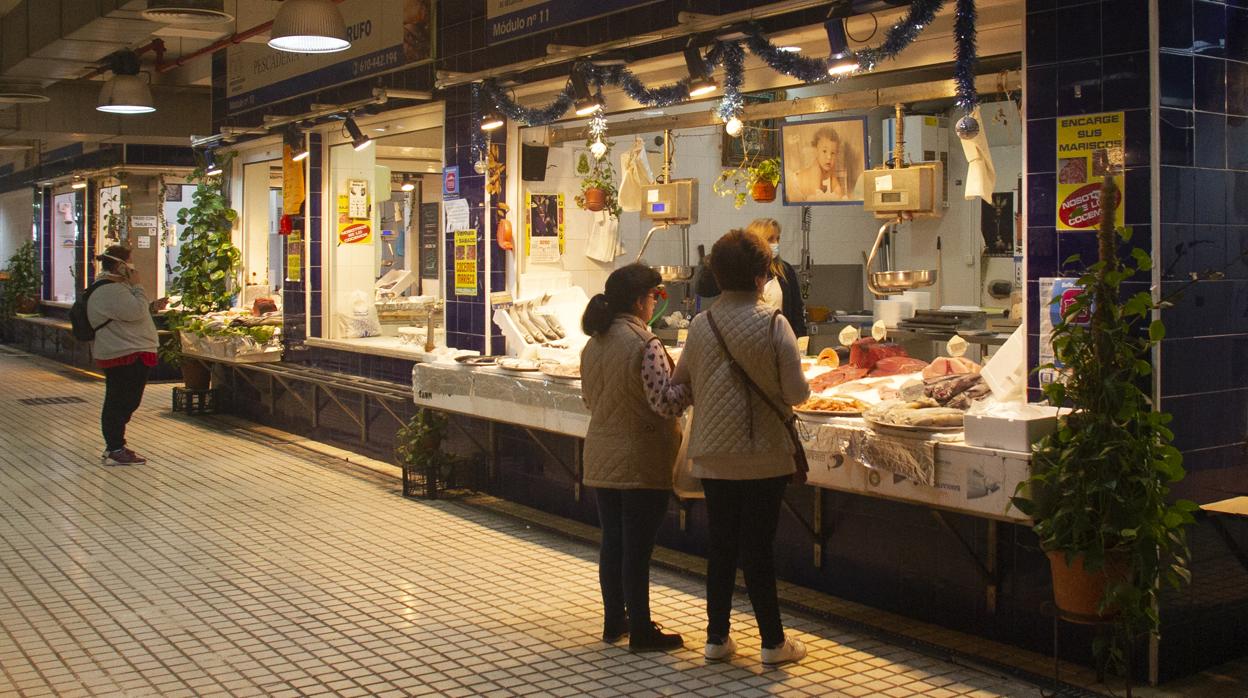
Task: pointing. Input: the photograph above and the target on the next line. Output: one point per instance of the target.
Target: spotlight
(841, 60)
(408, 184)
(309, 26)
(492, 119)
(79, 184)
(294, 138)
(700, 82)
(586, 102)
(791, 49)
(734, 126)
(212, 168)
(358, 140)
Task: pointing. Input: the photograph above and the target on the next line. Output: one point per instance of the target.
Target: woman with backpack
(124, 347)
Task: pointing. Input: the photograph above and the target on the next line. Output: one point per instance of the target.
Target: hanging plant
(764, 176)
(734, 182)
(599, 191)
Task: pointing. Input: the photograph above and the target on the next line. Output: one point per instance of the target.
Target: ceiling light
(298, 147)
(212, 168)
(5, 147)
(79, 184)
(125, 92)
(186, 11)
(791, 49)
(653, 112)
(586, 102)
(309, 26)
(22, 94)
(491, 119)
(408, 185)
(700, 82)
(841, 60)
(358, 140)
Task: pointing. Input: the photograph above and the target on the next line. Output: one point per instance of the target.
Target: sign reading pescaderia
(385, 35)
(512, 19)
(1089, 147)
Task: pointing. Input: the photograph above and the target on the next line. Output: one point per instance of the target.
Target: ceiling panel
(82, 51)
(49, 69)
(115, 29)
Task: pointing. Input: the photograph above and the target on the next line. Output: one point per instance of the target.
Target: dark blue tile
(1041, 38)
(1138, 134)
(1038, 5)
(1041, 146)
(1041, 192)
(1210, 84)
(1176, 137)
(1206, 420)
(1138, 197)
(1075, 242)
(1209, 145)
(1041, 92)
(1079, 87)
(1237, 88)
(1237, 198)
(1124, 26)
(1176, 80)
(1191, 249)
(1180, 375)
(1237, 142)
(1041, 252)
(1125, 81)
(1178, 195)
(1237, 34)
(1211, 196)
(1199, 309)
(1237, 252)
(1176, 24)
(1142, 239)
(1209, 28)
(1080, 32)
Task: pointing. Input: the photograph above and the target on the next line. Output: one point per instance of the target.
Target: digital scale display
(658, 208)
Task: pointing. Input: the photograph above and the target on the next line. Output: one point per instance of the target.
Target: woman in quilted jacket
(630, 447)
(743, 364)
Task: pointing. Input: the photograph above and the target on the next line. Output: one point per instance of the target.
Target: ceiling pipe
(156, 45)
(238, 38)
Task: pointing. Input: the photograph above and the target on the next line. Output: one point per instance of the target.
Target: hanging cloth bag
(635, 177)
(604, 238)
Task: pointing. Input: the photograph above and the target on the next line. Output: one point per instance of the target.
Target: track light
(586, 102)
(358, 140)
(841, 60)
(491, 119)
(700, 81)
(294, 138)
(212, 168)
(309, 26)
(79, 183)
(408, 184)
(125, 92)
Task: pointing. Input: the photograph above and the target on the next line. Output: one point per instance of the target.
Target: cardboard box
(1009, 434)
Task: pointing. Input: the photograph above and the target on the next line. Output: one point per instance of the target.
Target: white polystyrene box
(1010, 433)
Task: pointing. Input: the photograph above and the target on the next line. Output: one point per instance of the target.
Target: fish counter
(930, 466)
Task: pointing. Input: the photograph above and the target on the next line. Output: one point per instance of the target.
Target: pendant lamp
(309, 26)
(126, 92)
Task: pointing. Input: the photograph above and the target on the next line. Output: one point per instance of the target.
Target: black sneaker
(655, 640)
(123, 456)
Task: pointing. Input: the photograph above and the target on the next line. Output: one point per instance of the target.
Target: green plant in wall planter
(1099, 490)
(21, 289)
(734, 182)
(599, 191)
(418, 448)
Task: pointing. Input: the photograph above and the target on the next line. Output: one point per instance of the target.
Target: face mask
(775, 249)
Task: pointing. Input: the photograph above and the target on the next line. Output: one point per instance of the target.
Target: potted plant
(733, 182)
(208, 262)
(1099, 490)
(21, 288)
(598, 188)
(764, 176)
(418, 448)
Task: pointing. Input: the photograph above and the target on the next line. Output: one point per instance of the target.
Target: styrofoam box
(1009, 434)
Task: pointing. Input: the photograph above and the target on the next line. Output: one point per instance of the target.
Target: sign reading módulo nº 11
(385, 35)
(512, 19)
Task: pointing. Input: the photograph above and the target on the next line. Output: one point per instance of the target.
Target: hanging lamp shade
(126, 94)
(186, 12)
(309, 26)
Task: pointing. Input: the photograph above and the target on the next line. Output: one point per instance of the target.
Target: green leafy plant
(765, 171)
(1100, 484)
(115, 211)
(601, 175)
(21, 288)
(418, 448)
(208, 261)
(734, 182)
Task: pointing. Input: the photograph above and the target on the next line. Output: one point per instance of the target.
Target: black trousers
(742, 517)
(123, 391)
(630, 522)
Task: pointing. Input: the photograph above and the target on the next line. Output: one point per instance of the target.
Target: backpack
(80, 326)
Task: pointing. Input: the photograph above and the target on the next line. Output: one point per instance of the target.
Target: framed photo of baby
(823, 161)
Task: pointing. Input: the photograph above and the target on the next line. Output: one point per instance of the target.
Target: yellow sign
(352, 231)
(294, 256)
(292, 183)
(465, 262)
(1089, 147)
(544, 227)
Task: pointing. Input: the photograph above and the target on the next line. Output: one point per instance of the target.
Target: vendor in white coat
(125, 347)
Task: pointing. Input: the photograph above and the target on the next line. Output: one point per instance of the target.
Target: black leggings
(123, 391)
(742, 517)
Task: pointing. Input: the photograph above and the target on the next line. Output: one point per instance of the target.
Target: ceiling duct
(186, 11)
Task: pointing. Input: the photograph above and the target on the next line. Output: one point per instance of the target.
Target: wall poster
(294, 256)
(355, 227)
(543, 227)
(466, 262)
(1088, 148)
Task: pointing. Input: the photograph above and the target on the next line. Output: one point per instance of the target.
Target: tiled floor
(229, 565)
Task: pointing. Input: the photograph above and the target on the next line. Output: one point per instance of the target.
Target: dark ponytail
(624, 287)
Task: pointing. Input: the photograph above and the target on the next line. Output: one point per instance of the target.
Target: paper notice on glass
(144, 241)
(456, 212)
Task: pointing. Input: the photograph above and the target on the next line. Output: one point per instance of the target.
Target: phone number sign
(514, 19)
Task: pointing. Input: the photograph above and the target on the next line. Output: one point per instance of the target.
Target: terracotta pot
(595, 199)
(27, 305)
(195, 374)
(1077, 591)
(763, 192)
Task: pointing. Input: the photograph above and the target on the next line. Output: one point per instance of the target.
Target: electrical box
(927, 140)
(914, 190)
(674, 203)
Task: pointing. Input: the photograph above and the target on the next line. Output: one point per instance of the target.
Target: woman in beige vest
(740, 447)
(630, 447)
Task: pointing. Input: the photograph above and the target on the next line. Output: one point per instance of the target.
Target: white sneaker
(791, 651)
(719, 651)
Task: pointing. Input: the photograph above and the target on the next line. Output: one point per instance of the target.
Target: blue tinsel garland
(964, 54)
(808, 70)
(622, 77)
(734, 76)
(901, 34)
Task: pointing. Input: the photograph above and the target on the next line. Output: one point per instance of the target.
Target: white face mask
(775, 249)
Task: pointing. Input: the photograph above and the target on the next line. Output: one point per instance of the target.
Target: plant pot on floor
(1078, 592)
(595, 199)
(195, 374)
(27, 305)
(763, 192)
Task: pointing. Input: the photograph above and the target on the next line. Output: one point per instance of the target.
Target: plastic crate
(193, 401)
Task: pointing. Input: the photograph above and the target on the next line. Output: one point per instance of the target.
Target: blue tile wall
(45, 243)
(316, 164)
